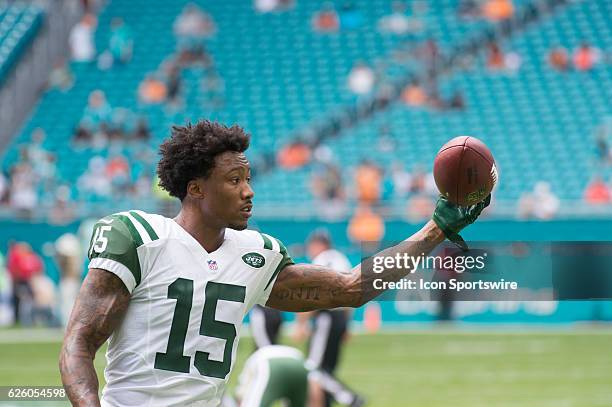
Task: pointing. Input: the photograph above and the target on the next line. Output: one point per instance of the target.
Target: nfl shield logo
(212, 264)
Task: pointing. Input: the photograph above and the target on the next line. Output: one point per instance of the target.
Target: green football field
(441, 367)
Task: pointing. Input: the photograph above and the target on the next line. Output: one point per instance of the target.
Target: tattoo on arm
(304, 287)
(99, 309)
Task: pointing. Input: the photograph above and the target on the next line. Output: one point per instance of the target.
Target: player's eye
(235, 180)
(248, 180)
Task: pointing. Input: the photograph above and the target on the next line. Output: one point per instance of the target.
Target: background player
(265, 324)
(330, 327)
(280, 373)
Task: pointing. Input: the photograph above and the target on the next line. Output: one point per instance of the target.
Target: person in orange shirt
(366, 225)
(294, 155)
(497, 10)
(152, 91)
(414, 95)
(368, 178)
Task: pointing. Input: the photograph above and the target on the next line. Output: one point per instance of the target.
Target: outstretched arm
(99, 309)
(304, 287)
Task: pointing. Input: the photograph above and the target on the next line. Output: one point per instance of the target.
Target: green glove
(453, 218)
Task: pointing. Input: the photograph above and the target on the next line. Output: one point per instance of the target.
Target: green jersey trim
(132, 229)
(267, 242)
(285, 261)
(116, 238)
(145, 224)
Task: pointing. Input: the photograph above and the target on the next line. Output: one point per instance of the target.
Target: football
(465, 171)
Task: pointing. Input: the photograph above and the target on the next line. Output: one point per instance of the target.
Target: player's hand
(451, 218)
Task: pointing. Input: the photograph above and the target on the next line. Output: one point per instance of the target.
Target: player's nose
(247, 192)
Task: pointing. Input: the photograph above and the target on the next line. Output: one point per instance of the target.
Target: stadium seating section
(281, 77)
(18, 25)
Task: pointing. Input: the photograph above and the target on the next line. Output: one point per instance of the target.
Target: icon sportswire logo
(253, 259)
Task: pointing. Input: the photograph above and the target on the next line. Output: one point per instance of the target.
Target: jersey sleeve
(113, 248)
(272, 243)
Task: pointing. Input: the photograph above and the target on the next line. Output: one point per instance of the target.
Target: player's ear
(195, 188)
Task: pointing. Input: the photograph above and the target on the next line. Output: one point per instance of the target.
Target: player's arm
(99, 309)
(304, 287)
(114, 272)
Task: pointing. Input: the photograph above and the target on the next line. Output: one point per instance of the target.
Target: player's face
(228, 196)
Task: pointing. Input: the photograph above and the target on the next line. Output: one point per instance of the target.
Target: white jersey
(177, 344)
(332, 259)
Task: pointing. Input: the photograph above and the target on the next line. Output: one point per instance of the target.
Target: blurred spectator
(6, 295)
(468, 9)
(35, 151)
(368, 178)
(418, 180)
(414, 95)
(213, 87)
(121, 43)
(498, 60)
(350, 16)
(398, 22)
(193, 23)
(558, 58)
(191, 28)
(96, 118)
(420, 207)
(294, 155)
(512, 61)
(497, 10)
(63, 210)
(151, 90)
(401, 179)
(68, 257)
(118, 171)
(326, 184)
(268, 6)
(173, 83)
(495, 57)
(23, 264)
(60, 77)
(94, 182)
(142, 132)
(386, 142)
(142, 186)
(22, 195)
(81, 39)
(4, 189)
(43, 292)
(361, 79)
(597, 192)
(585, 57)
(122, 126)
(602, 135)
(429, 54)
(328, 190)
(366, 225)
(456, 101)
(326, 19)
(541, 204)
